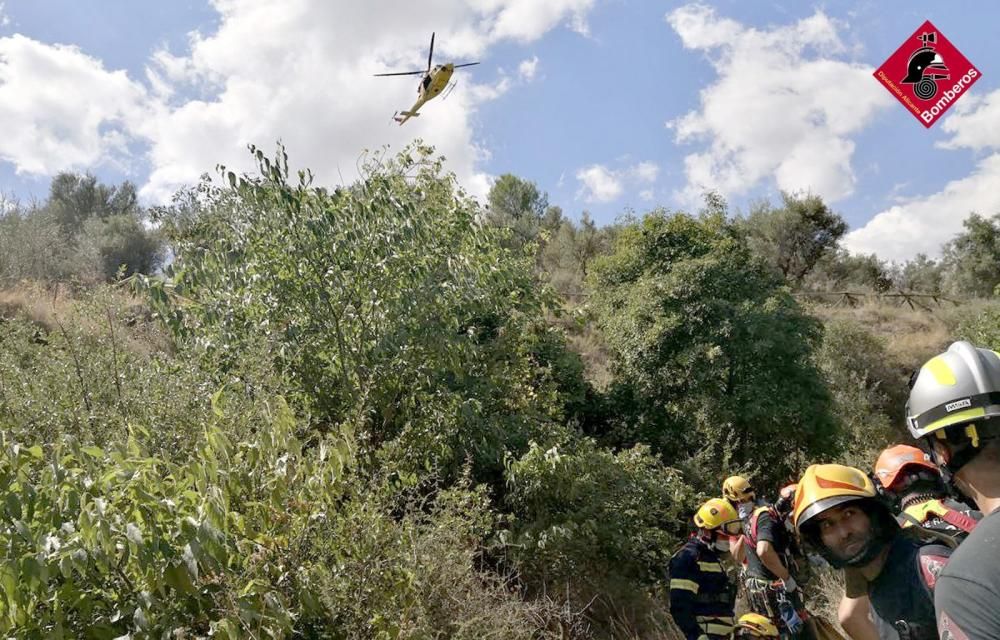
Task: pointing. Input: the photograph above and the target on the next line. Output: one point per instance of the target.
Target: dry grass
(912, 336)
(583, 338)
(825, 590)
(34, 303)
(588, 344)
(101, 311)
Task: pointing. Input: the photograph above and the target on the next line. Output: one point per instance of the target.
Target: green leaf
(217, 399)
(93, 452)
(13, 505)
(178, 577)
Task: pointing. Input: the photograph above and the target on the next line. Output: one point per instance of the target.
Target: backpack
(751, 534)
(917, 516)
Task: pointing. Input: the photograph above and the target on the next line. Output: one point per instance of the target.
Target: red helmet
(894, 460)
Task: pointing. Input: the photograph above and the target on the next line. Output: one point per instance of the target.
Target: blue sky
(608, 105)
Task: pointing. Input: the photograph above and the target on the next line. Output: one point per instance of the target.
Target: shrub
(386, 304)
(593, 526)
(712, 355)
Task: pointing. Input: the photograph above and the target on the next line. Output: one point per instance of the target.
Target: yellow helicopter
(434, 81)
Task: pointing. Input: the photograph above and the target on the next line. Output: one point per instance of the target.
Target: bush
(868, 390)
(102, 372)
(82, 234)
(980, 325)
(712, 355)
(34, 247)
(421, 574)
(386, 304)
(595, 526)
(103, 543)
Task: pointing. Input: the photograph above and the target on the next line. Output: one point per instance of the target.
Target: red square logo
(927, 74)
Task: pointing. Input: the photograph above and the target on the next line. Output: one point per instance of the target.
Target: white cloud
(923, 224)
(4, 18)
(299, 71)
(973, 123)
(646, 195)
(599, 184)
(527, 69)
(646, 171)
(486, 92)
(528, 20)
(302, 71)
(77, 117)
(790, 119)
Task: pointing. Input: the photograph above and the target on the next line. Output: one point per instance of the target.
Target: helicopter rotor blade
(401, 73)
(430, 54)
(467, 64)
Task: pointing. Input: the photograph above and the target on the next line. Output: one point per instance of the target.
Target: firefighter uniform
(702, 598)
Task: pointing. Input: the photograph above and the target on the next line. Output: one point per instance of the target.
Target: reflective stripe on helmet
(938, 367)
(944, 415)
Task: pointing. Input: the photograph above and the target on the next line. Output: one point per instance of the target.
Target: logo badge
(958, 404)
(927, 74)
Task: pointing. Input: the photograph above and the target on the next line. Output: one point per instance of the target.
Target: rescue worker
(954, 408)
(702, 599)
(754, 625)
(913, 484)
(738, 491)
(769, 548)
(838, 512)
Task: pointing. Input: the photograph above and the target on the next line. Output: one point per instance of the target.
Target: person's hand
(790, 585)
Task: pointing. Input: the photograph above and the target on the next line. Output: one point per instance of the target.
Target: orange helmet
(894, 460)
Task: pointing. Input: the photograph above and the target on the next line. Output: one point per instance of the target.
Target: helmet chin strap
(866, 555)
(958, 456)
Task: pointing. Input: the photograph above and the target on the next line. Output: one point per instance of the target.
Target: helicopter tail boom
(403, 116)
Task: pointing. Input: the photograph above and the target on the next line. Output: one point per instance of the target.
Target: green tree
(587, 243)
(517, 204)
(841, 269)
(867, 388)
(74, 199)
(921, 274)
(553, 219)
(710, 348)
(122, 242)
(84, 232)
(558, 260)
(385, 303)
(794, 237)
(972, 258)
